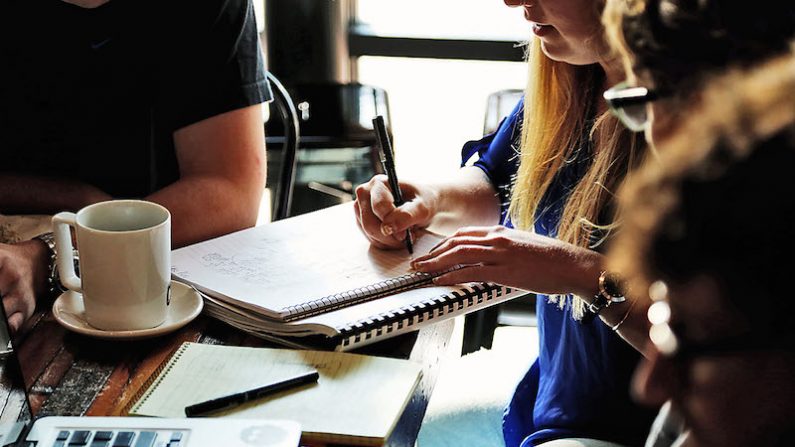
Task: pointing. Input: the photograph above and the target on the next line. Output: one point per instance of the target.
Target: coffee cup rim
(79, 217)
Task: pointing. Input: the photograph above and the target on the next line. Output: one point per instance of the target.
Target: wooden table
(71, 374)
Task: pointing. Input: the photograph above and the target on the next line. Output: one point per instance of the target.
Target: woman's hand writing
(381, 221)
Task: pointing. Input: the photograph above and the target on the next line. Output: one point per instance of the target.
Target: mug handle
(61, 223)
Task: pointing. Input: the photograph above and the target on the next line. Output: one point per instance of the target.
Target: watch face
(612, 285)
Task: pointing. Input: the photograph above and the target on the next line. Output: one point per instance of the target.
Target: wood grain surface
(71, 374)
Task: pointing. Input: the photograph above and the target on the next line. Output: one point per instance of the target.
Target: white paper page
(356, 395)
(291, 262)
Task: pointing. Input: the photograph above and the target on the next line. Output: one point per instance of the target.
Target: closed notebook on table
(314, 279)
(357, 399)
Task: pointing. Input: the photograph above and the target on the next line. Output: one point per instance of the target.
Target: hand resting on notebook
(513, 258)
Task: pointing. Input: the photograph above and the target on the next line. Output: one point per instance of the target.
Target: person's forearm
(467, 199)
(629, 316)
(206, 207)
(23, 194)
(634, 326)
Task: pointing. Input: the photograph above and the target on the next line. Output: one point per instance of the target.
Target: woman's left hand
(514, 258)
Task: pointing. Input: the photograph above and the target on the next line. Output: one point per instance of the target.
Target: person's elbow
(246, 195)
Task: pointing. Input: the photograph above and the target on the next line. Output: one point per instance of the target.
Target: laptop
(19, 428)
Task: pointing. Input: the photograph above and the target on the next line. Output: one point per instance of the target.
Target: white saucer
(186, 304)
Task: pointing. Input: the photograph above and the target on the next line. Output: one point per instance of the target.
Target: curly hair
(675, 44)
(720, 200)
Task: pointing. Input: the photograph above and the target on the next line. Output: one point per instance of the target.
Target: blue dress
(579, 385)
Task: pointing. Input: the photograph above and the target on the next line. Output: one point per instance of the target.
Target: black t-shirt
(96, 94)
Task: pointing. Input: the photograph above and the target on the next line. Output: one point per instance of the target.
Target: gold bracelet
(615, 327)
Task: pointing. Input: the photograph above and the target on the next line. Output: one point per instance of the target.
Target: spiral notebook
(316, 280)
(357, 400)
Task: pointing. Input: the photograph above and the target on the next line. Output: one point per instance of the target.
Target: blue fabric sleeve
(498, 155)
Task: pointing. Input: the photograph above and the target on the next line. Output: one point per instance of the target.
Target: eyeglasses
(663, 334)
(628, 104)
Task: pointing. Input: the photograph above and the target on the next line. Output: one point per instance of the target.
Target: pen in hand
(388, 163)
(233, 400)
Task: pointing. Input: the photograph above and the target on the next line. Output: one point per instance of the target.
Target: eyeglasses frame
(621, 96)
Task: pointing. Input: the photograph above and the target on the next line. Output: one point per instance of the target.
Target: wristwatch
(54, 286)
(611, 290)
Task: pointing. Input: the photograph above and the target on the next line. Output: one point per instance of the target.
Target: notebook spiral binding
(400, 320)
(153, 381)
(359, 295)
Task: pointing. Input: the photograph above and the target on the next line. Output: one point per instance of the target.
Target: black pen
(388, 162)
(233, 400)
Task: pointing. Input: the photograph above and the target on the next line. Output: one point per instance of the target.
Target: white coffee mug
(124, 251)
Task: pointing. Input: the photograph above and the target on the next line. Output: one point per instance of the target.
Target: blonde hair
(612, 20)
(560, 101)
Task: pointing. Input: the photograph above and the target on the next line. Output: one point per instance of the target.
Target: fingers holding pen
(405, 217)
(361, 222)
(373, 203)
(397, 219)
(382, 222)
(381, 198)
(370, 227)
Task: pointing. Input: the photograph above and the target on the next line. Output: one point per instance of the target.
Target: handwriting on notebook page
(273, 264)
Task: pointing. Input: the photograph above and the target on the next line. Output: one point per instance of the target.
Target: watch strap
(54, 286)
(611, 291)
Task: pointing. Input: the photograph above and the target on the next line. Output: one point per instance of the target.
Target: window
(436, 106)
(468, 19)
(439, 103)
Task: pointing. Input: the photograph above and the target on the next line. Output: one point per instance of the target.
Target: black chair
(282, 186)
(499, 105)
(479, 326)
(337, 149)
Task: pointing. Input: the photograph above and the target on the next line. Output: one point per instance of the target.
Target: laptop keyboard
(107, 438)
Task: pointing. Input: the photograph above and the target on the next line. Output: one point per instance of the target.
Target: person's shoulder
(178, 27)
(183, 18)
(207, 12)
